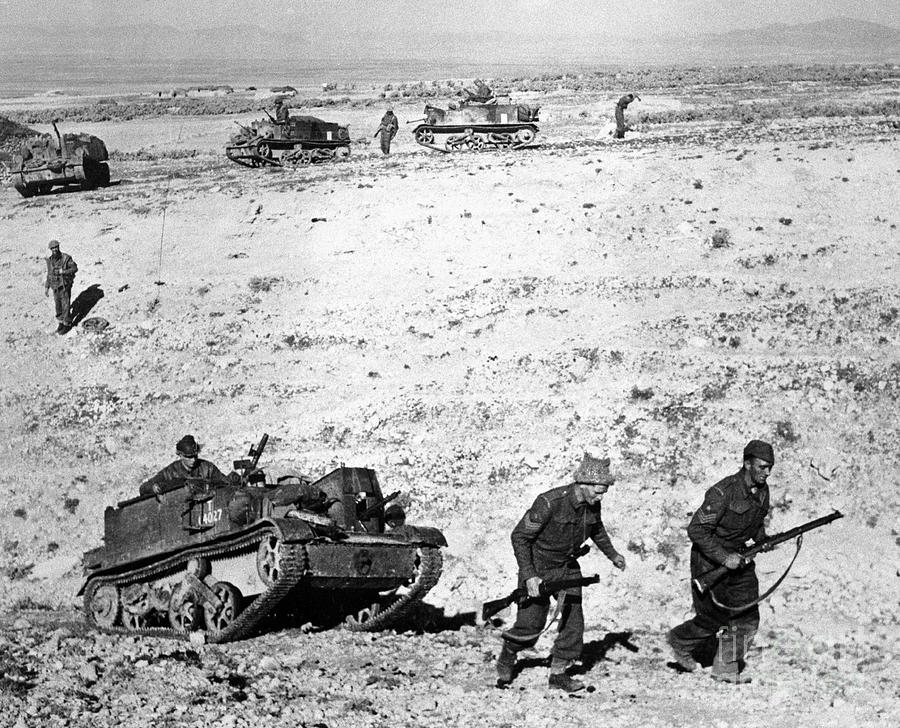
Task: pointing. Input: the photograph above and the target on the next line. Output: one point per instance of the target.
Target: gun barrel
(378, 504)
(547, 588)
(705, 581)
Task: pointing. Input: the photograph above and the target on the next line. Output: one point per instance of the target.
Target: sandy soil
(468, 325)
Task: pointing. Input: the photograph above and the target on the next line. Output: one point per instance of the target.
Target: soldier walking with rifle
(547, 542)
(732, 513)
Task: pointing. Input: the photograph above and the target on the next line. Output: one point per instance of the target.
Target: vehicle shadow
(85, 301)
(424, 618)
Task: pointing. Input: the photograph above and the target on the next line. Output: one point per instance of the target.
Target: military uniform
(61, 270)
(388, 130)
(731, 514)
(282, 113)
(202, 470)
(555, 526)
(621, 105)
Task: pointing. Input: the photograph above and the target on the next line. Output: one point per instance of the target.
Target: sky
(381, 20)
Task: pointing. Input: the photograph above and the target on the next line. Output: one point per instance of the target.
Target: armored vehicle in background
(45, 162)
(478, 126)
(299, 140)
(221, 557)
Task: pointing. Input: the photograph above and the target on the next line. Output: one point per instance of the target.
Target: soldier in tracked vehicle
(189, 466)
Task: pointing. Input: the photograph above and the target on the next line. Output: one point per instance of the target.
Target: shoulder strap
(769, 591)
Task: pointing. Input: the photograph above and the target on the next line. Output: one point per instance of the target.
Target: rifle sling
(560, 603)
(769, 591)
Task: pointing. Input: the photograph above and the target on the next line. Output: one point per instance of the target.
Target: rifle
(489, 609)
(249, 467)
(376, 505)
(706, 580)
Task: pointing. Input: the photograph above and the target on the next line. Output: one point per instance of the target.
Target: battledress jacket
(203, 470)
(555, 526)
(729, 516)
(389, 124)
(67, 270)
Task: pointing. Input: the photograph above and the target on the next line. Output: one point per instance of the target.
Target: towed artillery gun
(478, 126)
(45, 162)
(298, 140)
(221, 557)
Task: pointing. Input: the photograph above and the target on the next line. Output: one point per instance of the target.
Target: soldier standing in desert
(388, 130)
(61, 270)
(621, 105)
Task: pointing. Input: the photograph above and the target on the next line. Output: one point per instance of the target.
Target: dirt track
(468, 325)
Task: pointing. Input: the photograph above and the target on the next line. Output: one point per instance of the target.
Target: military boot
(733, 678)
(683, 659)
(567, 683)
(728, 661)
(506, 666)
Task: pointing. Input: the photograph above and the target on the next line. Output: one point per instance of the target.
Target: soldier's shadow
(85, 301)
(593, 652)
(596, 650)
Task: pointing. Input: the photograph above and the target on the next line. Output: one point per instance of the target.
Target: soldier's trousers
(620, 123)
(62, 300)
(734, 632)
(532, 617)
(385, 142)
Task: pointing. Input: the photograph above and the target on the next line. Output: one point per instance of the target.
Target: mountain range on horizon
(837, 39)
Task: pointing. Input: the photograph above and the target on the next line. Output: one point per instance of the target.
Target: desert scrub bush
(262, 284)
(721, 238)
(641, 394)
(785, 430)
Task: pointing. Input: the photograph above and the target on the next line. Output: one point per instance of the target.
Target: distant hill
(834, 33)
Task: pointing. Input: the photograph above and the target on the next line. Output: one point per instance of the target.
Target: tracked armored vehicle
(478, 126)
(45, 162)
(218, 559)
(298, 140)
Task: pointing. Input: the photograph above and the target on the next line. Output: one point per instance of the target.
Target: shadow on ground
(85, 301)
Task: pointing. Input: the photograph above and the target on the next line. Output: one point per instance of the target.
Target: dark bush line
(614, 81)
(765, 110)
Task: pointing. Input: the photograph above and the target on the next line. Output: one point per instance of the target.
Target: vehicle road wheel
(185, 614)
(218, 619)
(357, 622)
(525, 136)
(103, 606)
(424, 136)
(268, 560)
(264, 150)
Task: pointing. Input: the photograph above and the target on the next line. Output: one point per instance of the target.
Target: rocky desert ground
(468, 325)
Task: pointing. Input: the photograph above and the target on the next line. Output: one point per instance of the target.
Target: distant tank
(45, 162)
(299, 140)
(478, 126)
(220, 558)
